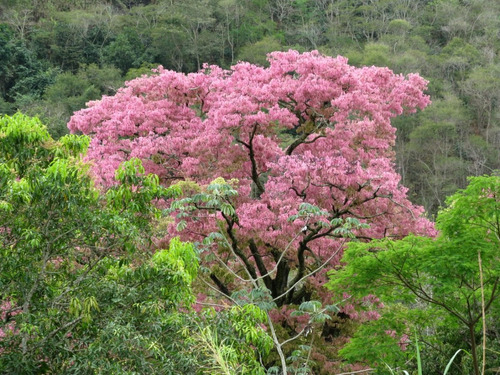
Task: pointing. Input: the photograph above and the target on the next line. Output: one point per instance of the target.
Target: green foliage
(216, 197)
(70, 92)
(23, 142)
(144, 69)
(438, 144)
(341, 227)
(126, 51)
(256, 53)
(233, 341)
(380, 341)
(22, 72)
(474, 212)
(71, 269)
(482, 91)
(439, 277)
(247, 321)
(375, 54)
(458, 57)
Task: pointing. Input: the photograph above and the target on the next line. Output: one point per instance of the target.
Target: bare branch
(224, 290)
(218, 291)
(294, 337)
(357, 372)
(311, 273)
(61, 328)
(281, 256)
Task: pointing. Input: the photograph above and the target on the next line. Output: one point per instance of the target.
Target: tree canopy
(81, 290)
(453, 279)
(302, 149)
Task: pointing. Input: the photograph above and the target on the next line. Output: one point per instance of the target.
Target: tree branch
(63, 327)
(260, 264)
(312, 272)
(251, 154)
(234, 246)
(220, 285)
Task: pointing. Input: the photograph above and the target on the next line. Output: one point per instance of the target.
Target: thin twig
(241, 261)
(224, 264)
(294, 337)
(218, 291)
(281, 257)
(277, 343)
(210, 304)
(63, 327)
(357, 372)
(483, 311)
(310, 273)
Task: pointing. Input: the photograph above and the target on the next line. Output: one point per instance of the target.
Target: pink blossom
(309, 128)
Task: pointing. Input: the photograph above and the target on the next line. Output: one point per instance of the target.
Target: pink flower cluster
(7, 310)
(309, 129)
(404, 339)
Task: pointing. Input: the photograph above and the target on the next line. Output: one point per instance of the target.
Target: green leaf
(451, 361)
(419, 361)
(181, 225)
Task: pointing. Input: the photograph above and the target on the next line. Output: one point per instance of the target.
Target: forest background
(56, 55)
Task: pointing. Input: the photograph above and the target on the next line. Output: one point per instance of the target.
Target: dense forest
(276, 233)
(57, 55)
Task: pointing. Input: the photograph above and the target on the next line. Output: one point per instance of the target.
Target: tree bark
(472, 336)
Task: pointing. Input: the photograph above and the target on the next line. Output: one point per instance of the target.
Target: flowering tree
(304, 145)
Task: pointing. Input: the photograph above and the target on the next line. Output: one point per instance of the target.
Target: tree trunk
(472, 336)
